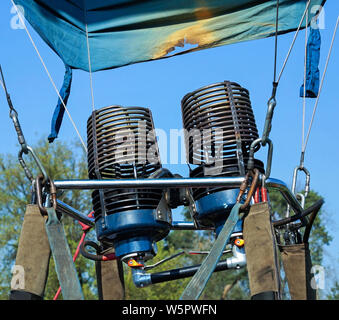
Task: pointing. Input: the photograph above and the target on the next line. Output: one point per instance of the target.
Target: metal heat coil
(120, 141)
(219, 128)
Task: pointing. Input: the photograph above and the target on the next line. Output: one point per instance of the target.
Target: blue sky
(160, 85)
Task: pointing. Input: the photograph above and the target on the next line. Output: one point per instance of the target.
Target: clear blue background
(160, 85)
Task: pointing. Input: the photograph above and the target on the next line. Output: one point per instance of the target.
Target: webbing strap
(64, 265)
(62, 102)
(199, 281)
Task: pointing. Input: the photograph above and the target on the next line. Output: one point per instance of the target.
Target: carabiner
(307, 181)
(294, 184)
(250, 163)
(28, 173)
(38, 186)
(301, 198)
(268, 121)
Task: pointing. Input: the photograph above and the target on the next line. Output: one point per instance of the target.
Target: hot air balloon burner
(122, 145)
(219, 128)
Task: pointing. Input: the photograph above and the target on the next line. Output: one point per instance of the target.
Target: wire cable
(2, 85)
(49, 75)
(90, 68)
(276, 42)
(89, 57)
(321, 85)
(293, 41)
(304, 94)
(272, 101)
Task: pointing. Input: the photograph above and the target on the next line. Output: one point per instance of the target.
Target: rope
(321, 85)
(49, 75)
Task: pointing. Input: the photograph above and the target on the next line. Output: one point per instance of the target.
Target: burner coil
(122, 145)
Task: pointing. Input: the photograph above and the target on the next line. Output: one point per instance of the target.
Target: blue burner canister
(214, 209)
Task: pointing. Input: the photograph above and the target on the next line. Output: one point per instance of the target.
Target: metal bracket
(163, 212)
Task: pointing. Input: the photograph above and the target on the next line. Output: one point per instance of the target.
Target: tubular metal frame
(140, 277)
(166, 184)
(75, 214)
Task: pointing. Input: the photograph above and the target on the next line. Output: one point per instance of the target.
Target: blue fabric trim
(59, 109)
(312, 65)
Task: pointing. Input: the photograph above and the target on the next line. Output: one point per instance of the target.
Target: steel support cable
(272, 101)
(13, 114)
(304, 143)
(304, 94)
(293, 41)
(25, 149)
(89, 58)
(301, 164)
(90, 68)
(276, 42)
(321, 85)
(3, 85)
(49, 75)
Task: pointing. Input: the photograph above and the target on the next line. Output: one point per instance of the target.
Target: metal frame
(140, 277)
(166, 184)
(150, 183)
(75, 214)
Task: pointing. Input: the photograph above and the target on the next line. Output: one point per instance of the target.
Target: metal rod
(181, 273)
(150, 183)
(177, 183)
(286, 193)
(187, 225)
(75, 214)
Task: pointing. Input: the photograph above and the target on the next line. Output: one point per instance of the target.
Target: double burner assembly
(219, 128)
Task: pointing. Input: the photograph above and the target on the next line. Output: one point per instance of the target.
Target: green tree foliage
(334, 292)
(61, 161)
